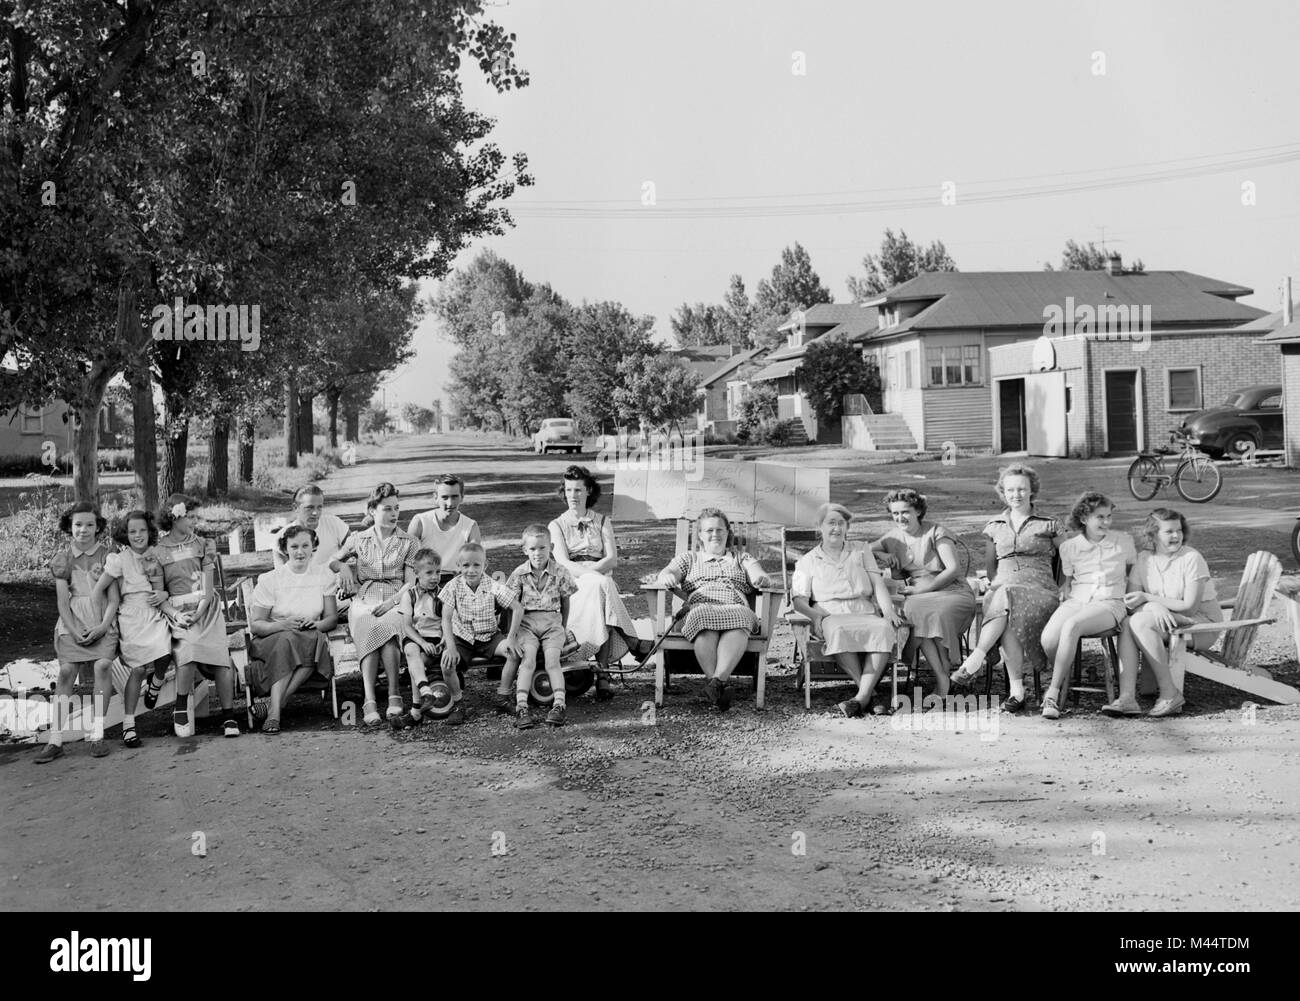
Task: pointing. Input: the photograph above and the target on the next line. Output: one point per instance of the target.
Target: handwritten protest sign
(745, 491)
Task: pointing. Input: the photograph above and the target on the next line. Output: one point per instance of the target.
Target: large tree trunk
(85, 449)
(247, 433)
(291, 423)
(333, 400)
(145, 442)
(353, 421)
(306, 432)
(175, 450)
(219, 457)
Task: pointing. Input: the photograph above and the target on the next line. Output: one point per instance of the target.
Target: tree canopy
(899, 260)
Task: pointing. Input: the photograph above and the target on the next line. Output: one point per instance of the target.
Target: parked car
(557, 433)
(1248, 420)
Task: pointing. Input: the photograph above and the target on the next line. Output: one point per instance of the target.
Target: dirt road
(628, 808)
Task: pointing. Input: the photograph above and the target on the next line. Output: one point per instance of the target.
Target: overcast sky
(1002, 99)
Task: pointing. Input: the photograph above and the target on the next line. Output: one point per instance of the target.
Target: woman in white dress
(293, 611)
(583, 543)
(834, 586)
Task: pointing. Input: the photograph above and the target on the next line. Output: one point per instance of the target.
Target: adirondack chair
(1249, 611)
(811, 662)
(664, 605)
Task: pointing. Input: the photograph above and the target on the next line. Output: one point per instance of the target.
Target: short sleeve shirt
(424, 609)
(541, 593)
(1173, 576)
(331, 533)
(583, 536)
(1098, 571)
(1024, 555)
(80, 570)
(292, 595)
(474, 612)
(139, 573)
(819, 576)
(184, 564)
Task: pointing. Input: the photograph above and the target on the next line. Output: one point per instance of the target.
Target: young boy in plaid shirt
(542, 587)
(469, 618)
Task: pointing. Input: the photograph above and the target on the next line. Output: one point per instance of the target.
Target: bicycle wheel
(1143, 477)
(1198, 479)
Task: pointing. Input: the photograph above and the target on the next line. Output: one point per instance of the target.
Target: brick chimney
(1114, 264)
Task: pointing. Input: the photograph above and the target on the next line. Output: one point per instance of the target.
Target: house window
(954, 365)
(934, 362)
(32, 419)
(1184, 388)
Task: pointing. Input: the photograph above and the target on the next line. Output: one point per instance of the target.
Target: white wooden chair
(1249, 611)
(664, 605)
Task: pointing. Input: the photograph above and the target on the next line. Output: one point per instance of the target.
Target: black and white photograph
(598, 456)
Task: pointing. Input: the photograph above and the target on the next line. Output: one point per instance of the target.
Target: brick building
(1086, 397)
(1286, 335)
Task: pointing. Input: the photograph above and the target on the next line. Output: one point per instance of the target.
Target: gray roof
(1017, 298)
(825, 314)
(730, 365)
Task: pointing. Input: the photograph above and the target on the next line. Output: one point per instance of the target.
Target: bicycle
(1196, 477)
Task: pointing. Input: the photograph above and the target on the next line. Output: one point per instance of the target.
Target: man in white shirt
(331, 530)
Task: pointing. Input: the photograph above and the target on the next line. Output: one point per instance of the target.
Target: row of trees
(526, 353)
(312, 160)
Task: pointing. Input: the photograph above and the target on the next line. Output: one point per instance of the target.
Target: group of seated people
(423, 597)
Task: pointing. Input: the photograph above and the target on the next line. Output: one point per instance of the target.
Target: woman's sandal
(258, 712)
(272, 725)
(151, 693)
(130, 738)
(370, 714)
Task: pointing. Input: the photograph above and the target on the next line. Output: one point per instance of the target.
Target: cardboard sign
(744, 491)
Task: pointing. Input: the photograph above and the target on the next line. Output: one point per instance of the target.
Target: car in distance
(1248, 420)
(557, 433)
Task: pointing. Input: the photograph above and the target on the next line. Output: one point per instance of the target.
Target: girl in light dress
(85, 631)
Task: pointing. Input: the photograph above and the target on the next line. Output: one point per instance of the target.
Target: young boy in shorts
(422, 633)
(542, 587)
(469, 617)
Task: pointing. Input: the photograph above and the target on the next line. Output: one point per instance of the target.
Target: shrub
(770, 431)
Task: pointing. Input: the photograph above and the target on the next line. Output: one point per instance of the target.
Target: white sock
(97, 731)
(128, 721)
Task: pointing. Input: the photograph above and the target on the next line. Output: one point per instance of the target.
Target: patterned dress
(596, 611)
(719, 587)
(145, 634)
(841, 586)
(184, 567)
(82, 570)
(1024, 588)
(942, 615)
(381, 573)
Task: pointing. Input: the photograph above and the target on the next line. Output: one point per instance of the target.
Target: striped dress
(381, 573)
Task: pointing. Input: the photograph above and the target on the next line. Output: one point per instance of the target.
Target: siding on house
(961, 414)
(24, 436)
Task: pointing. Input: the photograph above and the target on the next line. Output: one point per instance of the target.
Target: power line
(926, 197)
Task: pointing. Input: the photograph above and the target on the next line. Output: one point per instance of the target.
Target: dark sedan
(1248, 420)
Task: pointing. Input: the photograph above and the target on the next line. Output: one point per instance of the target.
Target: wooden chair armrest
(1218, 627)
(653, 585)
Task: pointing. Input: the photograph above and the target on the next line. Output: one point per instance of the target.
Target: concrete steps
(883, 432)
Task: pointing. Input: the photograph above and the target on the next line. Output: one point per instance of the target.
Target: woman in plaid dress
(716, 583)
(385, 559)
